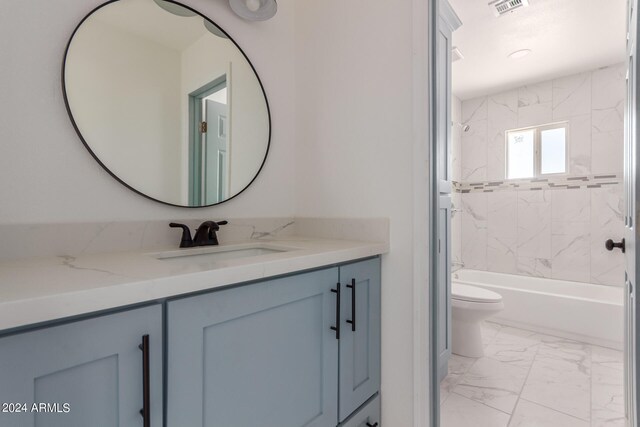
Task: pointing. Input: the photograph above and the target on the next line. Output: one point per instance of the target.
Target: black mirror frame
(75, 126)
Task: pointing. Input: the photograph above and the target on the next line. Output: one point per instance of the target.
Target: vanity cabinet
(268, 353)
(89, 372)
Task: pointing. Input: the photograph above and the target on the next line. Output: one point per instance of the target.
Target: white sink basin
(220, 253)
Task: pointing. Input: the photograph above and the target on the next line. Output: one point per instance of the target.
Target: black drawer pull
(337, 327)
(352, 286)
(372, 425)
(146, 409)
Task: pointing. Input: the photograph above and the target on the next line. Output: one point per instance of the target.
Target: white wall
(115, 76)
(47, 175)
(355, 153)
(559, 230)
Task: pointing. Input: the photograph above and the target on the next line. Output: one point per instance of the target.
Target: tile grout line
(524, 383)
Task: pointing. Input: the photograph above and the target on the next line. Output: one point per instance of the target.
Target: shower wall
(554, 226)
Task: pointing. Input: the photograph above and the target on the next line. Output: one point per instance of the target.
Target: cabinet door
(94, 366)
(359, 342)
(255, 355)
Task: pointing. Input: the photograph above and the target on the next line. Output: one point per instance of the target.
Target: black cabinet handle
(610, 244)
(337, 327)
(146, 409)
(353, 304)
(372, 425)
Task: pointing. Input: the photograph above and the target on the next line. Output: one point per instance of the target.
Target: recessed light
(519, 53)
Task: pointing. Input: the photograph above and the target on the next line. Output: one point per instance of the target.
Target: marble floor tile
(529, 414)
(540, 379)
(458, 411)
(607, 396)
(602, 356)
(494, 383)
(560, 385)
(514, 352)
(458, 366)
(489, 331)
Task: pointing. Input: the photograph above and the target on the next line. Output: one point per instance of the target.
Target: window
(536, 151)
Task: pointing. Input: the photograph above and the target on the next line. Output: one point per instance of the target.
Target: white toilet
(470, 305)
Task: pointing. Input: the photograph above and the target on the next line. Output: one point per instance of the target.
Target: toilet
(470, 305)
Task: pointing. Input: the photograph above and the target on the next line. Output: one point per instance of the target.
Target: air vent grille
(500, 7)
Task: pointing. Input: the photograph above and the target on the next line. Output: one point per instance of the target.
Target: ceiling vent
(456, 55)
(501, 7)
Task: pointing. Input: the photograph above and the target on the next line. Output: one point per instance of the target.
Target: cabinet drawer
(367, 416)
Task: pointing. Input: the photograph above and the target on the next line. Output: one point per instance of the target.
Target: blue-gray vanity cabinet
(359, 342)
(255, 355)
(366, 416)
(95, 366)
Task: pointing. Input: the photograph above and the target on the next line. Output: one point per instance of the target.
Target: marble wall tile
(534, 224)
(474, 152)
(502, 211)
(580, 144)
(609, 86)
(502, 254)
(607, 140)
(607, 222)
(571, 96)
(557, 233)
(570, 254)
(502, 114)
(536, 93)
(474, 110)
(474, 230)
(536, 267)
(535, 114)
(456, 229)
(570, 205)
(456, 139)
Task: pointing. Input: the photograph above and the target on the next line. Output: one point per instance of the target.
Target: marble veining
(560, 231)
(527, 379)
(40, 289)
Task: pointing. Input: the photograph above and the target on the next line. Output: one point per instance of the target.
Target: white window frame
(537, 152)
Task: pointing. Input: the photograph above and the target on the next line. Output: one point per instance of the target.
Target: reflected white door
(216, 161)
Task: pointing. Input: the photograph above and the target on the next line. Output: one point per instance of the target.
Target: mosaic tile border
(532, 184)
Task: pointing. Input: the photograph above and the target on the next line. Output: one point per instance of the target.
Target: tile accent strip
(551, 183)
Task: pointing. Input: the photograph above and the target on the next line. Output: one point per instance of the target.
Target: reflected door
(215, 176)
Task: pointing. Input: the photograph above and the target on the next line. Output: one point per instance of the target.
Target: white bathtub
(580, 311)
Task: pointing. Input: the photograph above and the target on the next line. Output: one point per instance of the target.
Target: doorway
(541, 179)
(209, 143)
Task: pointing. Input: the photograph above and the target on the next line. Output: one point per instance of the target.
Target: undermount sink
(220, 253)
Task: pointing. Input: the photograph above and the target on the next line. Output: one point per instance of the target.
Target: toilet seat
(474, 294)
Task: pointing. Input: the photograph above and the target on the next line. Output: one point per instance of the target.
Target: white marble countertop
(43, 289)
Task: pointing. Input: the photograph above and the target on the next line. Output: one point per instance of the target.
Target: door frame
(195, 141)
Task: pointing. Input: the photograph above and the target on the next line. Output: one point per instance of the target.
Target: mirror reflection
(166, 102)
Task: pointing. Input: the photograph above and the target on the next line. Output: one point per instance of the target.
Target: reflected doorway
(209, 143)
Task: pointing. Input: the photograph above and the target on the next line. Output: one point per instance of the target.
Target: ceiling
(565, 37)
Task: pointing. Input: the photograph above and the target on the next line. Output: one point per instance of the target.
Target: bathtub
(581, 311)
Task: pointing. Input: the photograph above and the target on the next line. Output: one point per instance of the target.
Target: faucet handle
(186, 241)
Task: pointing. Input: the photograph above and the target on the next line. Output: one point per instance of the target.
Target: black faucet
(205, 234)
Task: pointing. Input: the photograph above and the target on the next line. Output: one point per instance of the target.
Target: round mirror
(166, 102)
